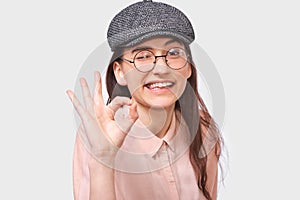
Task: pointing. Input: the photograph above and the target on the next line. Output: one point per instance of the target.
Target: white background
(254, 45)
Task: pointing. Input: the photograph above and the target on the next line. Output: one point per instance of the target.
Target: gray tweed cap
(147, 19)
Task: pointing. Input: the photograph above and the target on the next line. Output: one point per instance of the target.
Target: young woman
(155, 138)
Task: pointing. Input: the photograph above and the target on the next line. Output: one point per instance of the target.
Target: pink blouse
(146, 167)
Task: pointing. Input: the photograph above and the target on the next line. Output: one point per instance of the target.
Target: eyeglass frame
(155, 57)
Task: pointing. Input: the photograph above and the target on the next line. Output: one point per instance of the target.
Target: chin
(161, 103)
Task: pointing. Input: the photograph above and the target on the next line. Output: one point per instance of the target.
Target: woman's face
(161, 86)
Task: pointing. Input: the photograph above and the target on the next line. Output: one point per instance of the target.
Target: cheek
(179, 87)
(181, 84)
(134, 80)
(184, 73)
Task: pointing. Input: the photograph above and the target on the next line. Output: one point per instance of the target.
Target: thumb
(126, 116)
(133, 114)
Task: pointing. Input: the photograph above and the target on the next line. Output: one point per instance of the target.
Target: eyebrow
(173, 41)
(141, 48)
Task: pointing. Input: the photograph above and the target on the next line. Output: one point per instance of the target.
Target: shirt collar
(142, 141)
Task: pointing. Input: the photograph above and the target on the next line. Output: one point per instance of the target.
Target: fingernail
(97, 76)
(82, 81)
(69, 94)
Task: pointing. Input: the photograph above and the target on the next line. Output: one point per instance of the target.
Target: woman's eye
(143, 56)
(139, 57)
(174, 52)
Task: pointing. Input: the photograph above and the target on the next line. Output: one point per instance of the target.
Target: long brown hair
(193, 104)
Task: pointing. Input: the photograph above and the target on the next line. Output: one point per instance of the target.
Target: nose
(160, 65)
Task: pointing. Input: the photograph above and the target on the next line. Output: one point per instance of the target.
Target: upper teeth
(163, 84)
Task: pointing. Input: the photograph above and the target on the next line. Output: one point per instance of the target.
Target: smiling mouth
(160, 85)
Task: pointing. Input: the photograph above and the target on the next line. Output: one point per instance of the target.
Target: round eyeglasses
(144, 61)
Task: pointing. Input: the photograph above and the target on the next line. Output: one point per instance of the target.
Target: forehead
(162, 43)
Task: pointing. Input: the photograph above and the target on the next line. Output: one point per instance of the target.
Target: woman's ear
(119, 74)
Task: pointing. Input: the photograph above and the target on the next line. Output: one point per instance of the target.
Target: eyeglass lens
(175, 58)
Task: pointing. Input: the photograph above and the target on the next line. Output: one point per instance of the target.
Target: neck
(157, 120)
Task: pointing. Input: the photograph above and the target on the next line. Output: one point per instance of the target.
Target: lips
(159, 85)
